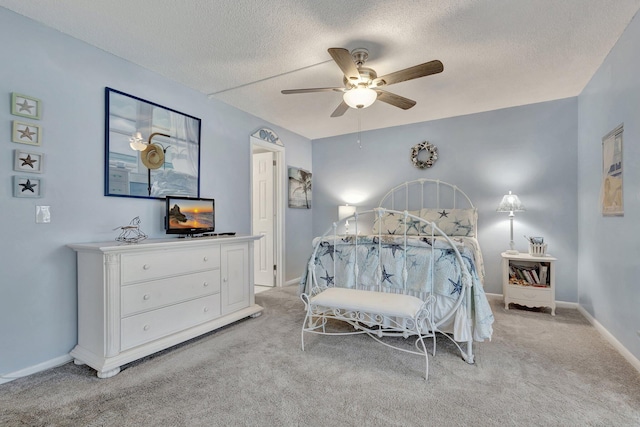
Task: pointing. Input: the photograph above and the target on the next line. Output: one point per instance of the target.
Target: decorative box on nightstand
(529, 280)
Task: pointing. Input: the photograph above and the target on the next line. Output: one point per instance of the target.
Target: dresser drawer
(153, 265)
(161, 292)
(145, 327)
(530, 294)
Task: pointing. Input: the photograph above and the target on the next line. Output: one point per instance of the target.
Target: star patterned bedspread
(381, 262)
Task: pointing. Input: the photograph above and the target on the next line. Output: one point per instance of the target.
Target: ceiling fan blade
(343, 58)
(422, 70)
(342, 108)
(395, 100)
(317, 89)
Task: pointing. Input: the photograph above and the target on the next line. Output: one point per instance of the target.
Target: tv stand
(135, 300)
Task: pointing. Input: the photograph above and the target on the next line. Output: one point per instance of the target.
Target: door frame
(279, 189)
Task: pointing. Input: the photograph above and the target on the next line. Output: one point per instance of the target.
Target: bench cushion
(382, 303)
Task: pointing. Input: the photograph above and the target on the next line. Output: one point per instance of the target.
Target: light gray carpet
(538, 370)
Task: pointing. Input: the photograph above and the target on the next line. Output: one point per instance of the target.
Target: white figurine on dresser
(134, 300)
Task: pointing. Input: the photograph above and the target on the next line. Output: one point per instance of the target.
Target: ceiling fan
(362, 86)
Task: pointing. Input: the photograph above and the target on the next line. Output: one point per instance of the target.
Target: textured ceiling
(496, 53)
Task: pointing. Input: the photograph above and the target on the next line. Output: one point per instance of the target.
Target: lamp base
(512, 251)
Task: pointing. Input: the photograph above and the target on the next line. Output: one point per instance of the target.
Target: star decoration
(386, 276)
(443, 214)
(25, 106)
(394, 247)
(457, 287)
(327, 249)
(412, 261)
(412, 223)
(327, 278)
(28, 161)
(26, 133)
(459, 225)
(28, 186)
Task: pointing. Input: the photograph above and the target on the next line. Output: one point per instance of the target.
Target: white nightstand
(529, 280)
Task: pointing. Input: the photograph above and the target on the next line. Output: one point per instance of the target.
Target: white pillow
(452, 222)
(393, 223)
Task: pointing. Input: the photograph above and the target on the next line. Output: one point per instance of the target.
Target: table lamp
(345, 211)
(511, 203)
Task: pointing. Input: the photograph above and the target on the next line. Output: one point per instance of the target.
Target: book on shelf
(543, 274)
(533, 274)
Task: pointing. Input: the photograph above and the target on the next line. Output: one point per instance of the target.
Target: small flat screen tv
(189, 215)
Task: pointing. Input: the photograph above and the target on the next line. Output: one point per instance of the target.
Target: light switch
(43, 215)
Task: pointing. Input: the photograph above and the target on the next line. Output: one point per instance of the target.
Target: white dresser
(137, 299)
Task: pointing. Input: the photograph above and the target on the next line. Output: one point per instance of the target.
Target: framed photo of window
(151, 151)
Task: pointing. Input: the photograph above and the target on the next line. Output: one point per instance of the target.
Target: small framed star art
(27, 186)
(25, 161)
(25, 106)
(25, 133)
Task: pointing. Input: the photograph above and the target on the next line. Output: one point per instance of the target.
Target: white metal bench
(376, 314)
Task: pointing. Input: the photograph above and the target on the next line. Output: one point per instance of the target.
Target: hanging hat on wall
(152, 156)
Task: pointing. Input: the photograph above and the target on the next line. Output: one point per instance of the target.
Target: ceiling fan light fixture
(137, 143)
(360, 97)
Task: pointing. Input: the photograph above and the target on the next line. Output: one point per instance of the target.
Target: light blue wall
(608, 267)
(298, 221)
(37, 271)
(531, 150)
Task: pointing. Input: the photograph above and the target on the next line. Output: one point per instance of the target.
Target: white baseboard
(292, 282)
(53, 363)
(611, 339)
(601, 329)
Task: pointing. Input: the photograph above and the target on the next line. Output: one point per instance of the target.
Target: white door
(263, 218)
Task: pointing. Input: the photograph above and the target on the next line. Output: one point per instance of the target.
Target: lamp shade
(345, 211)
(360, 97)
(510, 203)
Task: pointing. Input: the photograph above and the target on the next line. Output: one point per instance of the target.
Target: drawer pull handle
(206, 258)
(205, 284)
(224, 279)
(146, 327)
(146, 267)
(146, 297)
(206, 309)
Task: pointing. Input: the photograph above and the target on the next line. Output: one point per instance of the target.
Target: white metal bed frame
(422, 324)
(455, 195)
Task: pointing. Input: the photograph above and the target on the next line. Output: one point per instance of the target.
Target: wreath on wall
(429, 148)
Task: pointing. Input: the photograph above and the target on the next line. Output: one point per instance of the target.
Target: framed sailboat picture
(612, 174)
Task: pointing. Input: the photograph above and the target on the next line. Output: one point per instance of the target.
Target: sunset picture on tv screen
(191, 214)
